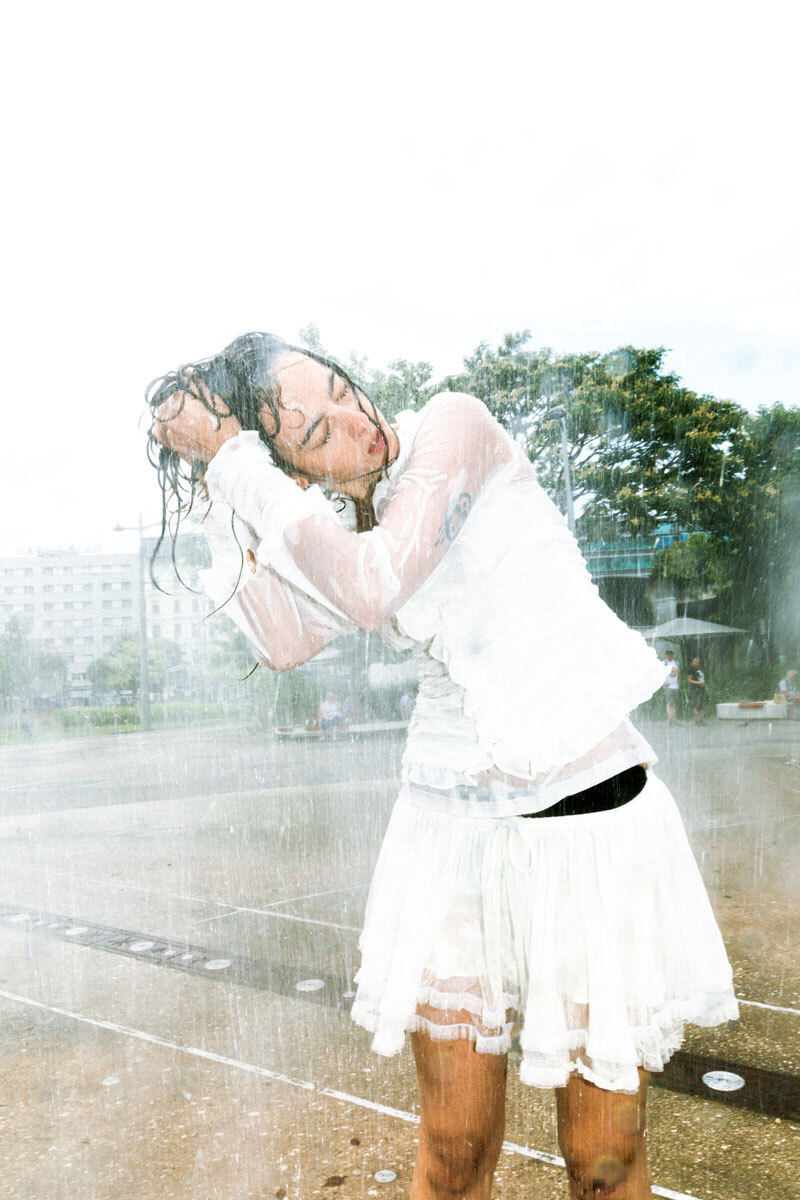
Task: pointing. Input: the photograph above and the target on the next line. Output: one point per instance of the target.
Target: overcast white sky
(412, 178)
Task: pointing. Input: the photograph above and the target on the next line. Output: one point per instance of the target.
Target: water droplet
(218, 964)
(110, 1081)
(20, 917)
(138, 947)
(385, 1176)
(348, 995)
(310, 985)
(723, 1081)
(74, 930)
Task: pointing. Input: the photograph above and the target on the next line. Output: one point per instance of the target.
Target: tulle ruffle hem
(593, 933)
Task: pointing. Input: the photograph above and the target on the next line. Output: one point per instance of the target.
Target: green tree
(309, 336)
(643, 450)
(118, 671)
(402, 385)
(27, 672)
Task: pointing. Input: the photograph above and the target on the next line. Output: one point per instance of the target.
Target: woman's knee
(454, 1162)
(603, 1142)
(602, 1172)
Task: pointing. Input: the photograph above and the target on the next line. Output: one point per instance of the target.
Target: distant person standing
(671, 684)
(789, 693)
(697, 691)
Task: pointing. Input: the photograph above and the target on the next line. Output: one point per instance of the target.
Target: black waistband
(611, 793)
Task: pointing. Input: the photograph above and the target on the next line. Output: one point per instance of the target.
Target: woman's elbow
(286, 662)
(369, 619)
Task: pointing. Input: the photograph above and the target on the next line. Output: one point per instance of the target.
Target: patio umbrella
(687, 627)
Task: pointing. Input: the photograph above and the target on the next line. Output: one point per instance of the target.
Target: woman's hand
(194, 423)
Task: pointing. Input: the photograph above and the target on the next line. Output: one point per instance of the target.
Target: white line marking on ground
(795, 1012)
(218, 916)
(314, 895)
(304, 1084)
(713, 826)
(279, 916)
(138, 887)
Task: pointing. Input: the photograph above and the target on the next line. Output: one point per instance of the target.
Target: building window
(176, 633)
(156, 631)
(106, 587)
(48, 587)
(107, 604)
(28, 591)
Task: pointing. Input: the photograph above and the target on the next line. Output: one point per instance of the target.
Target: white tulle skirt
(594, 933)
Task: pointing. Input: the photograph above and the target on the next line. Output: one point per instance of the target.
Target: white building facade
(72, 604)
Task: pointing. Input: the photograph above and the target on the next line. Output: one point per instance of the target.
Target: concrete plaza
(179, 914)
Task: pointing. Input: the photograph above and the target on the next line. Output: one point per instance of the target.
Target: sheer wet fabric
(523, 669)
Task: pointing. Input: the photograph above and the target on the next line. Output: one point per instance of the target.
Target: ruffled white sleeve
(365, 577)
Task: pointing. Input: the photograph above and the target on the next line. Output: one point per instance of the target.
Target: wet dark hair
(242, 375)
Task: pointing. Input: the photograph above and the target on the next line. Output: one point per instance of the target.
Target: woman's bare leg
(602, 1138)
(462, 1118)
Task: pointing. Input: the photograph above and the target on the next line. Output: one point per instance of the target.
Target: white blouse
(525, 676)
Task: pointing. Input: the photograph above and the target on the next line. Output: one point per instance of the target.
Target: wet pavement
(164, 895)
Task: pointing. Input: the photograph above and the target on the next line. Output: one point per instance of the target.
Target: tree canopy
(28, 672)
(644, 452)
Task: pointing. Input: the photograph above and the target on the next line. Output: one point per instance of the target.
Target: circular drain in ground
(723, 1081)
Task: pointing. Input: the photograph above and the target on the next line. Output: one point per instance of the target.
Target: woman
(533, 862)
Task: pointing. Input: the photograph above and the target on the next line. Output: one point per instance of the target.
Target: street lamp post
(144, 658)
(559, 413)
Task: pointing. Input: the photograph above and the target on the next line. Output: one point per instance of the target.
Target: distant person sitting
(789, 693)
(330, 714)
(671, 685)
(696, 681)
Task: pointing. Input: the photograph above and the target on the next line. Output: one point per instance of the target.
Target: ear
(301, 481)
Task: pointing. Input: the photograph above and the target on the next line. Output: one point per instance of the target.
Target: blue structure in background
(630, 557)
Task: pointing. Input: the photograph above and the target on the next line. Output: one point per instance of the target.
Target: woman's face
(323, 432)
